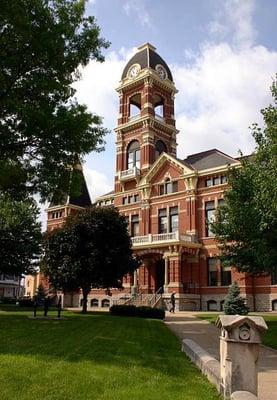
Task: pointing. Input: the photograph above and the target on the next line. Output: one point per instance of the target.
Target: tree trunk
(85, 301)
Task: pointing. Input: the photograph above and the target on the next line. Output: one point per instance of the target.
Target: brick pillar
(144, 278)
(175, 273)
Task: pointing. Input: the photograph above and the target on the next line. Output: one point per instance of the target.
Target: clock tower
(146, 123)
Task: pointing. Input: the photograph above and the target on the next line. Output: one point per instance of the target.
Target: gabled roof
(209, 159)
(164, 157)
(81, 199)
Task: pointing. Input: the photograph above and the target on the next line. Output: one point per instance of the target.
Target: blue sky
(222, 53)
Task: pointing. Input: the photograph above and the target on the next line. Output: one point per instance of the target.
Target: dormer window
(133, 154)
(169, 187)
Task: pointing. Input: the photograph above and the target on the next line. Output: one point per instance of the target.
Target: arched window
(105, 303)
(133, 155)
(212, 305)
(160, 148)
(221, 305)
(94, 303)
(135, 106)
(158, 103)
(168, 187)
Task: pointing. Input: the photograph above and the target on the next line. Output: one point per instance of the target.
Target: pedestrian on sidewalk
(172, 302)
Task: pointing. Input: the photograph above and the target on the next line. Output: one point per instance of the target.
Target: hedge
(133, 311)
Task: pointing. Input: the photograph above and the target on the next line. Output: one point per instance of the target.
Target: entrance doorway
(159, 275)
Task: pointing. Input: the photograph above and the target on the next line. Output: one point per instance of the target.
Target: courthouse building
(168, 202)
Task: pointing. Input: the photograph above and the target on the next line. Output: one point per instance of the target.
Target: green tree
(246, 225)
(44, 130)
(234, 303)
(92, 249)
(20, 235)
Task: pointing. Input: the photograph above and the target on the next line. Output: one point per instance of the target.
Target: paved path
(186, 326)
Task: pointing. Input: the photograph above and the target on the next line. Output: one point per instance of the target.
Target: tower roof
(81, 198)
(147, 57)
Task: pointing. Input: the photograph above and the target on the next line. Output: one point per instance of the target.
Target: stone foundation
(183, 302)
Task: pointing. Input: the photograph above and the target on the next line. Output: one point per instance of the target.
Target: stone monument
(239, 350)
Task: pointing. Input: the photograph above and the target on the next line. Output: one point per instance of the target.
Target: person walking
(172, 302)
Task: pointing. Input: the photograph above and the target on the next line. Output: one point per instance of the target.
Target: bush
(133, 311)
(26, 303)
(234, 304)
(7, 300)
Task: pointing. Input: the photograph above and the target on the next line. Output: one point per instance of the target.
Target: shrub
(26, 303)
(234, 303)
(133, 311)
(7, 300)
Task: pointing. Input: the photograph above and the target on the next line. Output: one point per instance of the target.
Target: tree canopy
(92, 249)
(43, 129)
(20, 235)
(246, 225)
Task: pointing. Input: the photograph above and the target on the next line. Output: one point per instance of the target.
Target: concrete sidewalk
(186, 326)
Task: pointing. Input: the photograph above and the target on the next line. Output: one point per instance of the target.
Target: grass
(270, 337)
(96, 357)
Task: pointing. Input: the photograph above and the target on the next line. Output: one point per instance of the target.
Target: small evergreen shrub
(234, 303)
(133, 311)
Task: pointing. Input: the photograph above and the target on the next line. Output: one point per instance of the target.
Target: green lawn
(270, 337)
(94, 356)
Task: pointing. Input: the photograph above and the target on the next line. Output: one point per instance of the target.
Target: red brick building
(168, 202)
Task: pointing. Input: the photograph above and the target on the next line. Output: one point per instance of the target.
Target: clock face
(161, 71)
(244, 332)
(134, 70)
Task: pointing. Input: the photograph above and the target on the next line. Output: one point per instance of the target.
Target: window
(173, 219)
(133, 155)
(216, 180)
(210, 215)
(212, 305)
(160, 148)
(209, 182)
(94, 303)
(162, 221)
(158, 102)
(130, 199)
(226, 276)
(212, 272)
(57, 214)
(220, 202)
(105, 303)
(168, 187)
(135, 225)
(135, 106)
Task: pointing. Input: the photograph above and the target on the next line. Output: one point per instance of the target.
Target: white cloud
(221, 89)
(97, 183)
(236, 19)
(96, 89)
(136, 8)
(220, 96)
